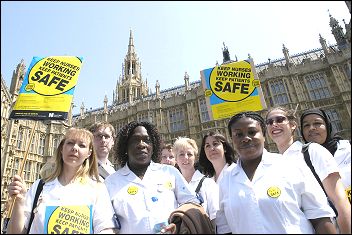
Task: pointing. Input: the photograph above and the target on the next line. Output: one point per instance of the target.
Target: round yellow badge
(348, 193)
(132, 190)
(168, 185)
(274, 192)
(208, 93)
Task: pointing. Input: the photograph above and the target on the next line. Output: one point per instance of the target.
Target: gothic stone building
(317, 78)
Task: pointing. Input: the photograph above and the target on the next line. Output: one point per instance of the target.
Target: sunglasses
(278, 120)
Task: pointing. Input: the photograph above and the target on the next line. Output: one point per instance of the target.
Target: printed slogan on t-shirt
(232, 88)
(68, 220)
(47, 88)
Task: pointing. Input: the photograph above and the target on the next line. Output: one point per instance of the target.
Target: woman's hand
(17, 188)
(169, 229)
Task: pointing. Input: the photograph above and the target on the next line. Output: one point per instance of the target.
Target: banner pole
(9, 212)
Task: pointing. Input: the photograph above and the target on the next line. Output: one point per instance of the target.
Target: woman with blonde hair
(72, 200)
(186, 153)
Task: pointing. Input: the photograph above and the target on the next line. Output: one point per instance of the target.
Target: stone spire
(337, 31)
(17, 79)
(130, 85)
(323, 44)
(82, 110)
(131, 44)
(225, 54)
(186, 78)
(157, 89)
(286, 55)
(105, 104)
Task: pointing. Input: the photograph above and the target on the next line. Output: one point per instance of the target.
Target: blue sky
(170, 37)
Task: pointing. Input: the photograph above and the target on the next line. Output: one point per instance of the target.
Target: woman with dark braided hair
(144, 192)
(265, 193)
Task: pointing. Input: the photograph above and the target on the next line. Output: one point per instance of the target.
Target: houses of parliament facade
(319, 78)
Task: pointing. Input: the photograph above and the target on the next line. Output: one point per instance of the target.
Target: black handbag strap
(200, 184)
(37, 193)
(200, 198)
(309, 163)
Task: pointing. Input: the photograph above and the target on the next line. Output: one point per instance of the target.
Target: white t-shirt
(281, 198)
(142, 204)
(342, 157)
(80, 207)
(209, 192)
(322, 160)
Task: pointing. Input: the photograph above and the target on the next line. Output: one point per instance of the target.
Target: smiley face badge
(132, 190)
(274, 192)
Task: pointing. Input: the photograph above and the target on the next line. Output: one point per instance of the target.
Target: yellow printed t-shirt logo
(54, 75)
(274, 192)
(233, 82)
(69, 220)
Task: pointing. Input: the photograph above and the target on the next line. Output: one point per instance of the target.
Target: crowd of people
(243, 188)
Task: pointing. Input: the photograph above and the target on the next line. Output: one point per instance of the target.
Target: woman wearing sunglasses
(281, 127)
(263, 194)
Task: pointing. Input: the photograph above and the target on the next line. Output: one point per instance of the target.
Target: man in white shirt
(104, 136)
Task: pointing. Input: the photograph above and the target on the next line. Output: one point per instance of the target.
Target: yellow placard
(47, 89)
(232, 88)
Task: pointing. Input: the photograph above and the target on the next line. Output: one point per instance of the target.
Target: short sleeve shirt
(142, 204)
(80, 207)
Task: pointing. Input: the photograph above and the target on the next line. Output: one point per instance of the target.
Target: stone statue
(226, 54)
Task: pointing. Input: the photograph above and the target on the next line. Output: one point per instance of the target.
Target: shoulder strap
(102, 172)
(310, 165)
(200, 184)
(37, 193)
(200, 198)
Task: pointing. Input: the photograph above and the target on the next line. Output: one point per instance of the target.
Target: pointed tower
(337, 31)
(105, 104)
(82, 110)
(348, 31)
(323, 44)
(157, 89)
(130, 85)
(225, 54)
(17, 79)
(186, 78)
(286, 55)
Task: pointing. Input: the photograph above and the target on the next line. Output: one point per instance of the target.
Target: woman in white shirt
(281, 127)
(73, 200)
(144, 192)
(262, 193)
(186, 154)
(216, 155)
(321, 132)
